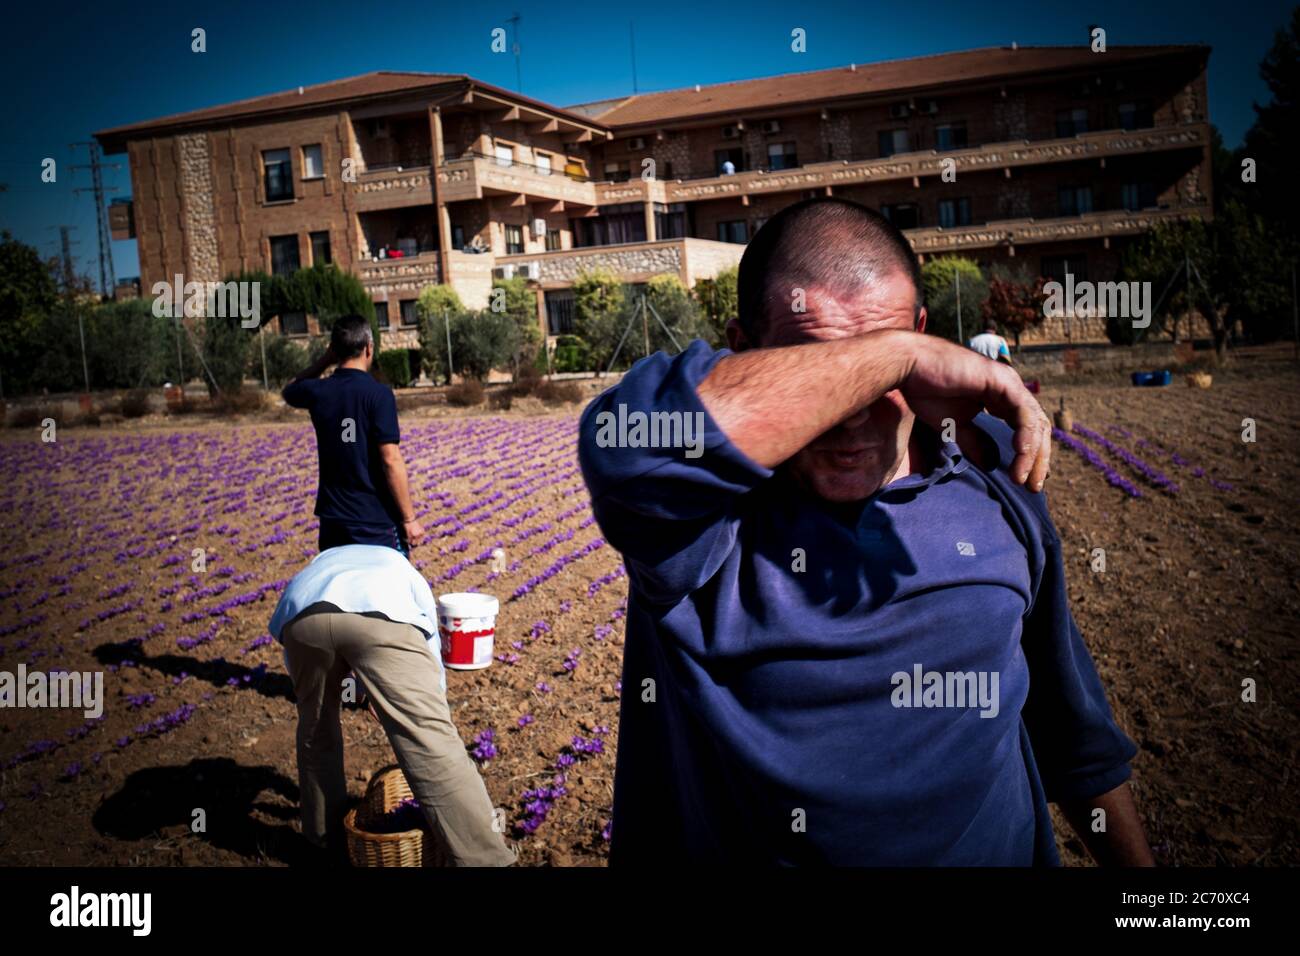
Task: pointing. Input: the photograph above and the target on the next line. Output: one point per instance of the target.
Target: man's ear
(736, 338)
(920, 320)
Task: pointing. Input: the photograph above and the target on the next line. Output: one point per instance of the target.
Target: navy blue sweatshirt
(902, 687)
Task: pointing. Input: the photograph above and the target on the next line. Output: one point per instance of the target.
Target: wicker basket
(417, 847)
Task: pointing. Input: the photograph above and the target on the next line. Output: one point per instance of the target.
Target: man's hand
(1121, 840)
(947, 381)
(414, 531)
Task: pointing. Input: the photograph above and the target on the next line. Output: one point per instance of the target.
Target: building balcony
(1014, 232)
(407, 274)
(393, 187)
(476, 176)
(689, 259)
(914, 166)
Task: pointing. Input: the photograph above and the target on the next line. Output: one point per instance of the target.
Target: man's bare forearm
(399, 484)
(316, 368)
(772, 402)
(1122, 842)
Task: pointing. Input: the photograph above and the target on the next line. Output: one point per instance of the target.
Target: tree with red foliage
(1015, 303)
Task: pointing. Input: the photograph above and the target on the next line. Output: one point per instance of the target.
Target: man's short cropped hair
(349, 337)
(834, 244)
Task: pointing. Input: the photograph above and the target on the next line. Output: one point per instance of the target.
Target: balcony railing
(577, 177)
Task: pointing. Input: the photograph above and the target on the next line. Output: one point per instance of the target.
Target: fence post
(446, 324)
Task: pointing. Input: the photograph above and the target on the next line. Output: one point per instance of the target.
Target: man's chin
(842, 487)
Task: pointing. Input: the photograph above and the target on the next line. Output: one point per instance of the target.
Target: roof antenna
(519, 76)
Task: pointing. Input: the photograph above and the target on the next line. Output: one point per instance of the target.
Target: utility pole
(107, 281)
(69, 288)
(519, 76)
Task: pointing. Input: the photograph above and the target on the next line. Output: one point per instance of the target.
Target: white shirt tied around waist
(360, 579)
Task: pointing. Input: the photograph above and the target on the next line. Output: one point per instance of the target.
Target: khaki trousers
(395, 668)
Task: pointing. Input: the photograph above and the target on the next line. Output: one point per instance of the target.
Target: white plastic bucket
(467, 625)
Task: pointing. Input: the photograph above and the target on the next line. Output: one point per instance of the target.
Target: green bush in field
(395, 366)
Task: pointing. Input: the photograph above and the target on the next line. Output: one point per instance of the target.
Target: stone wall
(200, 210)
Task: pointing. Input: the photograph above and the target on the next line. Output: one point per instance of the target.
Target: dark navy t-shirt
(353, 415)
(761, 718)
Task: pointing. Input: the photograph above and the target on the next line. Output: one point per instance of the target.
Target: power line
(107, 280)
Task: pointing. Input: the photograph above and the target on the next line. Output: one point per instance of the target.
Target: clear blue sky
(69, 69)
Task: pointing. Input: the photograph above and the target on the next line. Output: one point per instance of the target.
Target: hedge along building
(1049, 156)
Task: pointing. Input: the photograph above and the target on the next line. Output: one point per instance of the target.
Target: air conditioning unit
(636, 143)
(531, 270)
(539, 228)
(771, 126)
(731, 132)
(898, 111)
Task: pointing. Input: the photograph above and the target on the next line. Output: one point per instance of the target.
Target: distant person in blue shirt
(363, 496)
(991, 345)
(848, 640)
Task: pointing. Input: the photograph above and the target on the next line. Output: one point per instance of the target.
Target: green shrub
(719, 300)
(285, 358)
(395, 366)
(571, 355)
(940, 278)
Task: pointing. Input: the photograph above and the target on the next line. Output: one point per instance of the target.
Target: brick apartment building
(1060, 156)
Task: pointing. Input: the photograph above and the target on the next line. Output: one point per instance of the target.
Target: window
(950, 136)
(457, 237)
(313, 165)
(893, 141)
(293, 323)
(1135, 115)
(1057, 268)
(618, 172)
(514, 239)
(284, 255)
(553, 241)
(320, 248)
(617, 223)
(723, 156)
(1071, 122)
(782, 156)
(559, 311)
(735, 231)
(904, 215)
(278, 175)
(671, 222)
(1136, 196)
(409, 318)
(954, 212)
(1074, 200)
(543, 163)
(505, 154)
(381, 314)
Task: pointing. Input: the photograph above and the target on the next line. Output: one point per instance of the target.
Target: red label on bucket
(462, 648)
